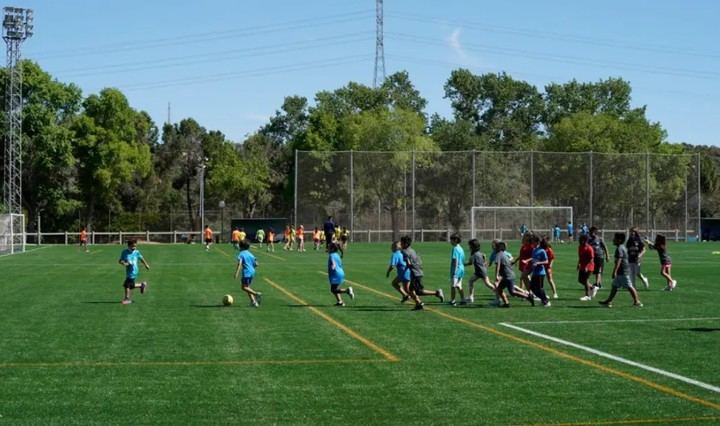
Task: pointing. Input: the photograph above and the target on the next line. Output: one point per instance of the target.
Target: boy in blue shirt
(539, 261)
(402, 280)
(247, 263)
(336, 275)
(129, 258)
(570, 231)
(457, 269)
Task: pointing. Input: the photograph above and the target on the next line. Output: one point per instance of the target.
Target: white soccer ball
(228, 300)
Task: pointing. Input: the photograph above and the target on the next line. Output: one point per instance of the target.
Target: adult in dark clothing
(329, 228)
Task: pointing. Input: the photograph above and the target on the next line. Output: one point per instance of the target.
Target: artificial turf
(70, 353)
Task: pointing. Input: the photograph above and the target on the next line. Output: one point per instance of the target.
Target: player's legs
(665, 271)
(536, 284)
(551, 280)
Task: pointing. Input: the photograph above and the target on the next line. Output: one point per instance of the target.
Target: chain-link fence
(430, 194)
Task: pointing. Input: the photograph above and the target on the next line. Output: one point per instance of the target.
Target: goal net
(487, 223)
(12, 233)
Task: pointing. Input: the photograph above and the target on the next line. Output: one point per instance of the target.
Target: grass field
(70, 353)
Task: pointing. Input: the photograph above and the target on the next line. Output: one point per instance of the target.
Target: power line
(203, 37)
(573, 38)
(346, 60)
(675, 72)
(215, 57)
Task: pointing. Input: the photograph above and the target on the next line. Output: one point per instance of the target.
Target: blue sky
(229, 64)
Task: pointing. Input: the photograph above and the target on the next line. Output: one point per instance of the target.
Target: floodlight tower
(17, 27)
(379, 45)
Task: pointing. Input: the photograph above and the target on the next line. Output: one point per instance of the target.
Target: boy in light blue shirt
(457, 269)
(130, 258)
(402, 280)
(247, 264)
(336, 274)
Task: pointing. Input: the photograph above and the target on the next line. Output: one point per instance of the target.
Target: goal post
(505, 222)
(12, 233)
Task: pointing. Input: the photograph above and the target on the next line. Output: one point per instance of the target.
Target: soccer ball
(228, 300)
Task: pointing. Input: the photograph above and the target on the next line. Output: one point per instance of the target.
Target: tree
(611, 97)
(108, 149)
(504, 110)
(48, 162)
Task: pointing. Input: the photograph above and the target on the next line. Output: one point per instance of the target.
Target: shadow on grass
(699, 329)
(103, 302)
(210, 306)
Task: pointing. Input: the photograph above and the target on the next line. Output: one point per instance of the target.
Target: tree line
(90, 159)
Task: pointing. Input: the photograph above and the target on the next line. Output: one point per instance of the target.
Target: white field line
(619, 320)
(26, 251)
(616, 358)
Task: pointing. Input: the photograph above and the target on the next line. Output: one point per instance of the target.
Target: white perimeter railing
(367, 235)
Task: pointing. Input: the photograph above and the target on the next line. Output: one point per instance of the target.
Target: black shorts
(417, 285)
(129, 283)
(599, 265)
(506, 284)
(537, 281)
(583, 276)
(208, 240)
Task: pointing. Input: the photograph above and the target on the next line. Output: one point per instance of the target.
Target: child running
(660, 245)
(247, 264)
(505, 277)
(585, 266)
(208, 237)
(478, 261)
(260, 236)
(539, 261)
(549, 268)
(129, 259)
(413, 262)
(235, 239)
(336, 275)
(457, 269)
(300, 238)
(601, 256)
(636, 251)
(400, 282)
(524, 260)
(621, 273)
(316, 239)
(84, 239)
(271, 240)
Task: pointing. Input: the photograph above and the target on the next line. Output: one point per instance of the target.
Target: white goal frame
(530, 209)
(8, 234)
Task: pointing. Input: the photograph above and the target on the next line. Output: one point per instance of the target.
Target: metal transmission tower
(379, 45)
(17, 27)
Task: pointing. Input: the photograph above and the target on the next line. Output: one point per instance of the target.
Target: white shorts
(456, 282)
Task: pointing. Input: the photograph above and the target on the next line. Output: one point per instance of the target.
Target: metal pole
(591, 188)
(647, 193)
(352, 197)
(532, 189)
(202, 197)
(413, 194)
(686, 207)
(39, 233)
(295, 208)
(699, 190)
(474, 172)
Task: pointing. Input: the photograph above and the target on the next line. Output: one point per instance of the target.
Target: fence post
(413, 195)
(647, 192)
(174, 237)
(590, 171)
(120, 237)
(296, 189)
(352, 197)
(92, 237)
(147, 236)
(66, 238)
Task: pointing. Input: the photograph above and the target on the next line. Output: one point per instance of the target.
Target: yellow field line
(350, 332)
(69, 364)
(633, 421)
(619, 373)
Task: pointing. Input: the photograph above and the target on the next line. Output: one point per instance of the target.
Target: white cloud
(457, 47)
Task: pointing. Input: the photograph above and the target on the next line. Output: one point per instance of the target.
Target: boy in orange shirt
(208, 237)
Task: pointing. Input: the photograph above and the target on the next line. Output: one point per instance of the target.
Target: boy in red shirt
(585, 266)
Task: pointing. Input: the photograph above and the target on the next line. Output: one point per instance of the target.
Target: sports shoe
(594, 291)
(340, 304)
(440, 295)
(452, 303)
(667, 288)
(555, 296)
(405, 299)
(585, 298)
(471, 299)
(419, 307)
(351, 293)
(547, 305)
(645, 281)
(254, 304)
(605, 303)
(258, 298)
(126, 301)
(495, 302)
(530, 298)
(673, 285)
(505, 305)
(143, 286)
(637, 305)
